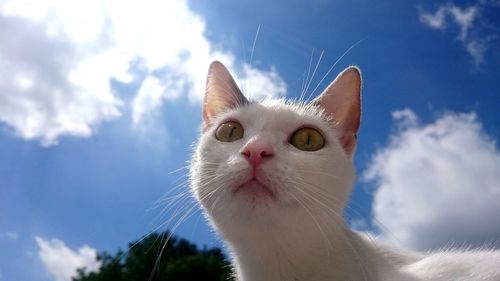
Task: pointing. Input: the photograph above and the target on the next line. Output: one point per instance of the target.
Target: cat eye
(307, 139)
(229, 131)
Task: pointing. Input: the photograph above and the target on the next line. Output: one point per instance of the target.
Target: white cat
(274, 178)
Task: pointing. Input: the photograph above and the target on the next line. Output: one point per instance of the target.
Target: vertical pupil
(308, 140)
(232, 128)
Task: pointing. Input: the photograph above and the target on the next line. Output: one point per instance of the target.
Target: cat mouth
(255, 188)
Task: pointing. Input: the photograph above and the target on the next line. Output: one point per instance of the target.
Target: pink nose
(256, 150)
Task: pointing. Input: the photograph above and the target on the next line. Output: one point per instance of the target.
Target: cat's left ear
(221, 92)
(342, 102)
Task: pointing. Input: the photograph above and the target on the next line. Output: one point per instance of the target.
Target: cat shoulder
(458, 265)
(443, 265)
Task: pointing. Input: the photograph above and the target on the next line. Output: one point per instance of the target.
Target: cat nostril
(262, 154)
(266, 154)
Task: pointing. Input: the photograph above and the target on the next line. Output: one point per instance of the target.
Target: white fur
(302, 234)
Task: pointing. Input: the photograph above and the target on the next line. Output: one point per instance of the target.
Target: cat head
(275, 163)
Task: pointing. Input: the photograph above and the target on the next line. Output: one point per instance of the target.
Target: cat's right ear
(342, 102)
(221, 92)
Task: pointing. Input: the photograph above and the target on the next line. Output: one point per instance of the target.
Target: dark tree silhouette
(180, 260)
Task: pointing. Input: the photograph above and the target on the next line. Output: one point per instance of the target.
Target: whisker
(344, 237)
(303, 93)
(178, 170)
(317, 224)
(352, 207)
(333, 66)
(314, 72)
(182, 219)
(253, 45)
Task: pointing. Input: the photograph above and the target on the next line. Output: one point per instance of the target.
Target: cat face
(274, 163)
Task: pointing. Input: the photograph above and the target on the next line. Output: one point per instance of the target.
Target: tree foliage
(151, 259)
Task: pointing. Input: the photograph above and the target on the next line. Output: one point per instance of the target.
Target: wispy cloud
(61, 262)
(359, 225)
(9, 235)
(437, 184)
(57, 61)
(449, 17)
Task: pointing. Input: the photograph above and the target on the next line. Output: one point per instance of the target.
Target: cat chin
(247, 208)
(254, 190)
(244, 213)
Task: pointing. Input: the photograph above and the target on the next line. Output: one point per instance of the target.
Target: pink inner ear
(348, 142)
(221, 92)
(342, 101)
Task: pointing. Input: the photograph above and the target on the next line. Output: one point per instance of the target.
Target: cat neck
(334, 253)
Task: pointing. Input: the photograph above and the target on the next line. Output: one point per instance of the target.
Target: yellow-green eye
(307, 139)
(229, 131)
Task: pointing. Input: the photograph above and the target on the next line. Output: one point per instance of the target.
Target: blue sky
(100, 106)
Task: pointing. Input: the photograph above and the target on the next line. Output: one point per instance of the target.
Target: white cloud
(57, 59)
(258, 84)
(463, 18)
(477, 49)
(182, 59)
(466, 20)
(359, 225)
(49, 85)
(434, 20)
(62, 262)
(405, 118)
(438, 184)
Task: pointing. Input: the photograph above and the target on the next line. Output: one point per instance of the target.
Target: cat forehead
(277, 113)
